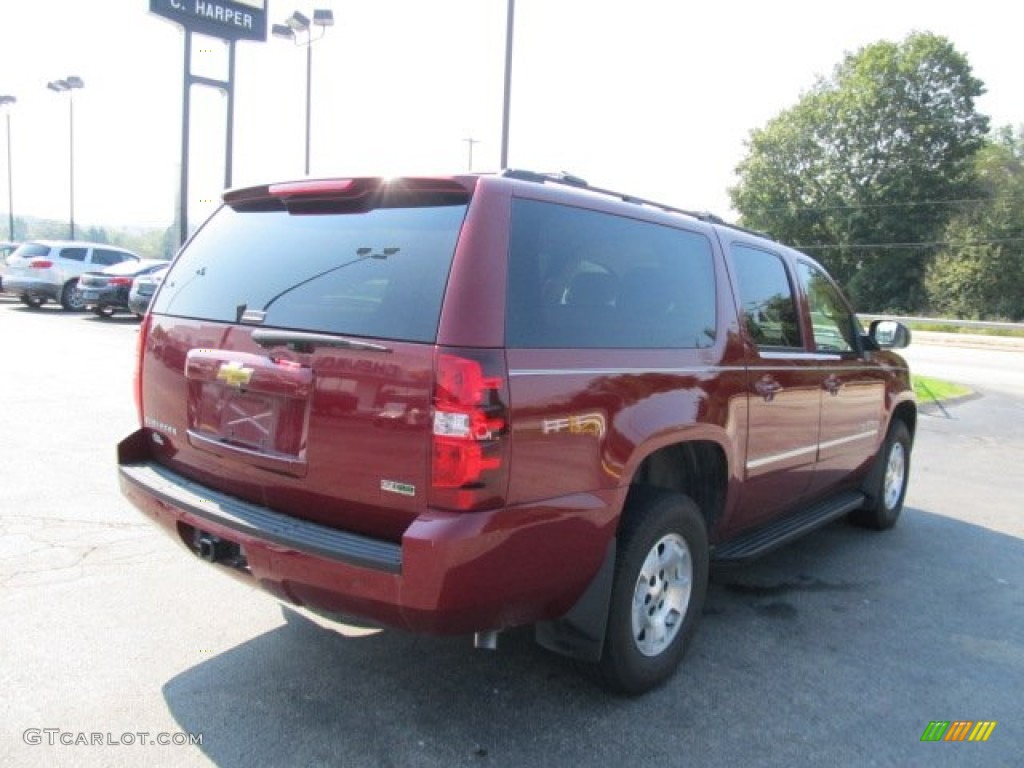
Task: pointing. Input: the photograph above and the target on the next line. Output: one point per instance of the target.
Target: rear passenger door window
(585, 279)
(73, 254)
(768, 303)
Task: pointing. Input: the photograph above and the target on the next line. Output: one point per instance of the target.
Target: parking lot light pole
(6, 101)
(68, 85)
(294, 25)
(507, 101)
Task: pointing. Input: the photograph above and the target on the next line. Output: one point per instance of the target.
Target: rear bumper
(452, 572)
(139, 304)
(22, 286)
(105, 297)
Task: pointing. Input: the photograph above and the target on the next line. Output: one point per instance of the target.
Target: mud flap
(580, 632)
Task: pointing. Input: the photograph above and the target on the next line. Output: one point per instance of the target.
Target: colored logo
(235, 374)
(958, 730)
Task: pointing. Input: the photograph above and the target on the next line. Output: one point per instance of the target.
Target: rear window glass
(379, 273)
(580, 278)
(31, 251)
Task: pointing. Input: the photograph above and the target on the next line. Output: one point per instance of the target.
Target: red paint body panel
(342, 437)
(460, 572)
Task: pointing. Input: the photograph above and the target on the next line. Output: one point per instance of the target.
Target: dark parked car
(463, 404)
(106, 292)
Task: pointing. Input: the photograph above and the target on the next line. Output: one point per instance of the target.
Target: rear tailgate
(289, 352)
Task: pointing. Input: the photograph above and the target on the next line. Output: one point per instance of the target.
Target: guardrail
(979, 324)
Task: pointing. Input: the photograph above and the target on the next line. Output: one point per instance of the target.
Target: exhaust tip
(207, 549)
(487, 641)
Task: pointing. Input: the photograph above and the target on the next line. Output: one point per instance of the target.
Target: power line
(936, 244)
(911, 204)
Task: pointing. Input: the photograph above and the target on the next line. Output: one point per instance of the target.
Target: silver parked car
(6, 249)
(143, 288)
(48, 270)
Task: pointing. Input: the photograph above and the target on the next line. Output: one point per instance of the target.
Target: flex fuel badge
(402, 489)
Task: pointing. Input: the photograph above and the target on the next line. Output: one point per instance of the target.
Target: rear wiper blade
(299, 341)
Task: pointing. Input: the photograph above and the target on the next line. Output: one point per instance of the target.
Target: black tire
(32, 302)
(103, 311)
(71, 298)
(887, 483)
(635, 658)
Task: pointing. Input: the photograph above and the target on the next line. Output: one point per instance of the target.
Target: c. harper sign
(226, 19)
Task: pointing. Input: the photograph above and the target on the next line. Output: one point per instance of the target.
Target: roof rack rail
(568, 179)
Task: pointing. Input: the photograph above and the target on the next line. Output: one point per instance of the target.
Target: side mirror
(889, 334)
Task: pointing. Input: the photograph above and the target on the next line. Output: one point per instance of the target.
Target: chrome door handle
(767, 387)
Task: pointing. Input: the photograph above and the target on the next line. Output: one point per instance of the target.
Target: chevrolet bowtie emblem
(234, 374)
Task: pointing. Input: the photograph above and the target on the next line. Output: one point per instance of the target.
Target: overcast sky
(651, 97)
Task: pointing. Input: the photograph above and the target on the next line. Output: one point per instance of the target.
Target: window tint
(831, 319)
(379, 273)
(766, 297)
(73, 254)
(107, 258)
(581, 278)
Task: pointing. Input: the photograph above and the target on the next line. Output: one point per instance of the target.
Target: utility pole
(470, 142)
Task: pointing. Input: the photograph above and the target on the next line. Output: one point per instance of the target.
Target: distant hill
(148, 242)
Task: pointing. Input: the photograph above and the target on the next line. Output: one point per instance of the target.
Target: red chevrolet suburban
(463, 404)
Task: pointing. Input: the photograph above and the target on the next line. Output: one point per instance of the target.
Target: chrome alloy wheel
(662, 594)
(895, 475)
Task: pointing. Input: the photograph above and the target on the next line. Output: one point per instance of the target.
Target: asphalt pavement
(839, 649)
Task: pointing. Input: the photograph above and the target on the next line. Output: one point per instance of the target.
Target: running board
(760, 540)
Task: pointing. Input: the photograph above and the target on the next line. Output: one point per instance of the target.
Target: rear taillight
(40, 264)
(140, 356)
(470, 426)
(119, 281)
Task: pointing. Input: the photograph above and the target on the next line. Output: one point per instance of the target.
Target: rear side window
(73, 254)
(379, 273)
(580, 278)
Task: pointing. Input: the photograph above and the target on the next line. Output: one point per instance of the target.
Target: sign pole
(228, 20)
(185, 121)
(230, 88)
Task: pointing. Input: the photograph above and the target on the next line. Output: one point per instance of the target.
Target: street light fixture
(5, 101)
(294, 25)
(68, 85)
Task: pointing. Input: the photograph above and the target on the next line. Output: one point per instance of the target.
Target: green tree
(980, 274)
(865, 160)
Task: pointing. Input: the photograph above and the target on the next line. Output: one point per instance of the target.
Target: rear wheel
(103, 311)
(885, 498)
(31, 301)
(661, 577)
(71, 298)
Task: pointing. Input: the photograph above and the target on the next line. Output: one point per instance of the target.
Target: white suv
(6, 249)
(44, 270)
